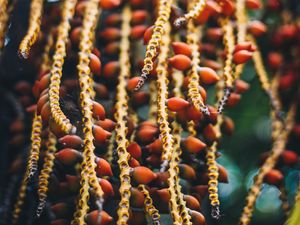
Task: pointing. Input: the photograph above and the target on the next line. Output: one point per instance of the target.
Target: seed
(180, 62)
(95, 64)
(241, 86)
(112, 48)
(113, 19)
(109, 4)
(137, 32)
(289, 157)
(139, 17)
(197, 218)
(253, 4)
(182, 48)
(143, 175)
(135, 150)
(257, 28)
(92, 217)
(233, 99)
(274, 177)
(100, 134)
(137, 198)
(103, 168)
(71, 141)
(106, 124)
(110, 34)
(214, 34)
(241, 56)
(186, 172)
(193, 144)
(208, 75)
(131, 84)
(275, 60)
(68, 156)
(98, 111)
(106, 187)
(147, 35)
(192, 202)
(175, 104)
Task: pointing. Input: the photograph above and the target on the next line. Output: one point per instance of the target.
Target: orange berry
(113, 19)
(75, 35)
(137, 198)
(155, 147)
(135, 150)
(175, 104)
(227, 125)
(92, 217)
(193, 144)
(106, 187)
(95, 64)
(133, 163)
(227, 6)
(223, 175)
(112, 48)
(187, 172)
(241, 56)
(241, 86)
(209, 133)
(192, 202)
(137, 32)
(147, 35)
(100, 134)
(181, 48)
(180, 62)
(111, 69)
(243, 46)
(233, 99)
(193, 113)
(147, 134)
(214, 34)
(257, 28)
(143, 175)
(71, 141)
(98, 111)
(275, 60)
(274, 177)
(101, 90)
(289, 157)
(103, 168)
(164, 195)
(139, 16)
(208, 75)
(253, 4)
(110, 34)
(212, 64)
(140, 98)
(44, 82)
(68, 156)
(197, 218)
(106, 124)
(131, 84)
(109, 4)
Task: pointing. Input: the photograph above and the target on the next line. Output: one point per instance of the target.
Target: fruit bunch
(121, 109)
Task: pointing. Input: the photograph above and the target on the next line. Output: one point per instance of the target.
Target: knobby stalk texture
(56, 71)
(164, 11)
(36, 10)
(121, 115)
(88, 173)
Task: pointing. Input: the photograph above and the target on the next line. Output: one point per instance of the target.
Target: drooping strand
(56, 71)
(36, 11)
(164, 11)
(121, 114)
